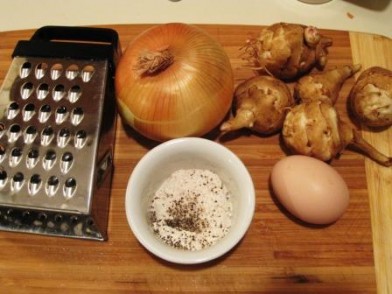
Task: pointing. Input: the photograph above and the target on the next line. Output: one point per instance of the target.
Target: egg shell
(310, 189)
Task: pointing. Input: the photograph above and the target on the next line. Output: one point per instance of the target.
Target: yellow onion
(174, 80)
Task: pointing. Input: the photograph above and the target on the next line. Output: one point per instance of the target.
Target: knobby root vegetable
(370, 98)
(260, 104)
(324, 85)
(315, 129)
(174, 80)
(287, 51)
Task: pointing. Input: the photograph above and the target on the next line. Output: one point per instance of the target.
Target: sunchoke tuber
(260, 104)
(324, 85)
(315, 129)
(370, 98)
(287, 50)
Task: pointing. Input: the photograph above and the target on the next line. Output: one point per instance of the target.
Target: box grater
(57, 124)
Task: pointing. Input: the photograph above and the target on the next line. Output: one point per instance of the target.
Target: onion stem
(153, 62)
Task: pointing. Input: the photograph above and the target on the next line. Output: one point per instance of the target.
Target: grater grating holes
(25, 70)
(3, 178)
(66, 162)
(32, 158)
(77, 115)
(12, 110)
(2, 153)
(69, 188)
(49, 160)
(47, 136)
(16, 157)
(42, 91)
(50, 127)
(40, 70)
(72, 72)
(56, 71)
(2, 129)
(28, 111)
(30, 134)
(25, 214)
(58, 218)
(58, 92)
(14, 133)
(52, 186)
(26, 90)
(44, 113)
(80, 139)
(63, 137)
(45, 145)
(17, 182)
(87, 73)
(34, 184)
(61, 114)
(74, 94)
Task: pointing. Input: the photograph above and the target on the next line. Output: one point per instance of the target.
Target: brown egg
(310, 189)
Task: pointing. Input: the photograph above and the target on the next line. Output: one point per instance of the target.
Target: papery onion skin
(190, 97)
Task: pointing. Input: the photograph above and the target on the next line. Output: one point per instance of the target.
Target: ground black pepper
(191, 210)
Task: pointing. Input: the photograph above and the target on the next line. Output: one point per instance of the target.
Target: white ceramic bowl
(187, 153)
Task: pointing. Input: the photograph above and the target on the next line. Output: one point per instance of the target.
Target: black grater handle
(85, 34)
(72, 42)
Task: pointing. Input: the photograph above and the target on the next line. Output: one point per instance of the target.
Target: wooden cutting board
(277, 255)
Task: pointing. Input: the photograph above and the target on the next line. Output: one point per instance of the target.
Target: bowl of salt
(189, 200)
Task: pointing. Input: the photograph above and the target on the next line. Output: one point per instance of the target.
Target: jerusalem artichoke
(260, 104)
(370, 99)
(315, 129)
(324, 85)
(287, 51)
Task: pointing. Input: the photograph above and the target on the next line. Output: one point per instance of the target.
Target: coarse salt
(192, 209)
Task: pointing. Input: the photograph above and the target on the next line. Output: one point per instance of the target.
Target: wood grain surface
(379, 178)
(277, 255)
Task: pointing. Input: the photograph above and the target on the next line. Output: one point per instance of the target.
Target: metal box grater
(57, 127)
